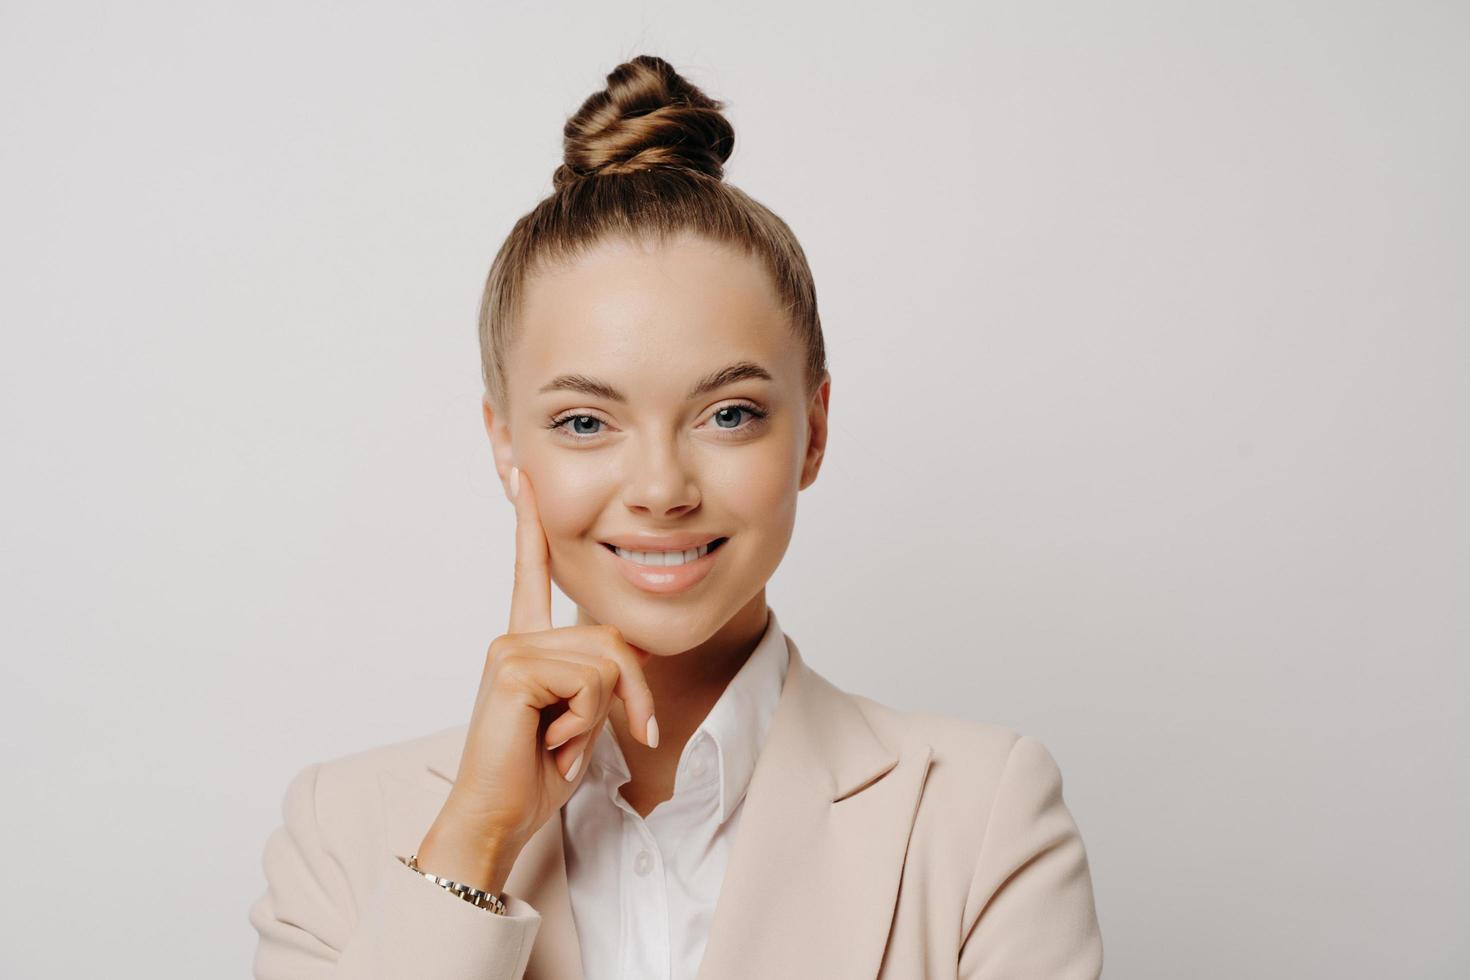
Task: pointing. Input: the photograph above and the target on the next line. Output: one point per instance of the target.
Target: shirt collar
(737, 724)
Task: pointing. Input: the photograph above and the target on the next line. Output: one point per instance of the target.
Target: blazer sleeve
(1030, 910)
(311, 928)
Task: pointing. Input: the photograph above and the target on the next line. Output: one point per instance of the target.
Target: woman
(656, 397)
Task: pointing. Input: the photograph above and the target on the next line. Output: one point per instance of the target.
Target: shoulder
(982, 777)
(358, 782)
(963, 750)
(346, 803)
(404, 758)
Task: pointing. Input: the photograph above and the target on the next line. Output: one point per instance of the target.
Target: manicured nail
(553, 748)
(572, 772)
(652, 731)
(515, 481)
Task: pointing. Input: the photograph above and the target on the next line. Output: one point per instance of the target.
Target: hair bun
(648, 116)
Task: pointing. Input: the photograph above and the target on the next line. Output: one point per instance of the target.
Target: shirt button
(643, 863)
(697, 768)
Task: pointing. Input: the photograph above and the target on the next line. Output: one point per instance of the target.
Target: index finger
(530, 598)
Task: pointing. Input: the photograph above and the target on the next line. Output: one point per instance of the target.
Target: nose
(658, 480)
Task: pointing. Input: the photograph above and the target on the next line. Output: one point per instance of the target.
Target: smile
(665, 559)
(665, 572)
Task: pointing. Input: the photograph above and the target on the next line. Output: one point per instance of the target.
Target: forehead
(657, 314)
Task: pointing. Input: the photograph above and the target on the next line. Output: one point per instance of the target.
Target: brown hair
(643, 159)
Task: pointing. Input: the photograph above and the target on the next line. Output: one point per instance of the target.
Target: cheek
(757, 489)
(571, 506)
(569, 494)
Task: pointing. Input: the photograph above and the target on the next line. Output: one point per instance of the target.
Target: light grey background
(1151, 433)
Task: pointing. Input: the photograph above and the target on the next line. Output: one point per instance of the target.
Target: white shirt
(643, 892)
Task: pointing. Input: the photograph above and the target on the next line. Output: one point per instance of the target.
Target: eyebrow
(739, 371)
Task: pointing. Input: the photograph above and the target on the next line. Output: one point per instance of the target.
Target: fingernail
(652, 731)
(553, 748)
(515, 481)
(572, 772)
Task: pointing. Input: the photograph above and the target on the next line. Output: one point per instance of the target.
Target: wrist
(468, 856)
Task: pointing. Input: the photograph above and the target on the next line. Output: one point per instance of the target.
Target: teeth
(660, 559)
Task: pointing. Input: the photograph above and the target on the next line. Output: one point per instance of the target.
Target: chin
(663, 630)
(663, 627)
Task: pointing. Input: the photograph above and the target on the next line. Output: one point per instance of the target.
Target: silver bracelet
(469, 893)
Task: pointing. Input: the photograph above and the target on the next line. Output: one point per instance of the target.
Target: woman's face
(659, 391)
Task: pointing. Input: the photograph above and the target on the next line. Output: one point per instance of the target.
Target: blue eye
(581, 427)
(731, 409)
(575, 419)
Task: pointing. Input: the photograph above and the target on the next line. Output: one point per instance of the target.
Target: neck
(685, 687)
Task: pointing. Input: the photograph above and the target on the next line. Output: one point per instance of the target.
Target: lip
(670, 579)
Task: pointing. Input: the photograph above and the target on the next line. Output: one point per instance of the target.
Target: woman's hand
(515, 771)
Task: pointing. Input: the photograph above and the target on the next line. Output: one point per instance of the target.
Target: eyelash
(758, 415)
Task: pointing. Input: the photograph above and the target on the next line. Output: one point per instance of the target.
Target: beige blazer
(874, 843)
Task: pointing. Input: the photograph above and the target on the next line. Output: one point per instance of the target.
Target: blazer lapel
(812, 879)
(813, 876)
